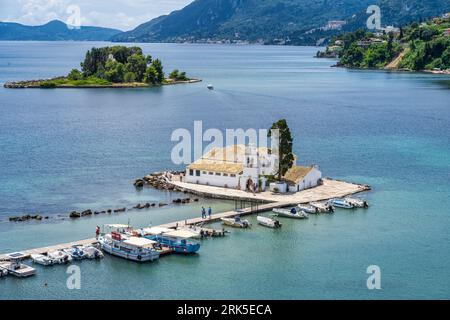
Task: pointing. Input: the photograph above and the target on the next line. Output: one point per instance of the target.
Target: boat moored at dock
(357, 202)
(15, 266)
(268, 222)
(42, 259)
(292, 213)
(308, 208)
(130, 247)
(322, 207)
(236, 222)
(59, 256)
(341, 203)
(176, 240)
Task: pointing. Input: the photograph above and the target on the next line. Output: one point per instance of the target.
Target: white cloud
(121, 14)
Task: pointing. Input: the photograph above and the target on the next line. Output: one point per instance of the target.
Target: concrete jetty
(328, 190)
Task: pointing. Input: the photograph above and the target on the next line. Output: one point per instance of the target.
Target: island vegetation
(417, 47)
(116, 66)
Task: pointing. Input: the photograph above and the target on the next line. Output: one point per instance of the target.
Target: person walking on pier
(203, 213)
(209, 212)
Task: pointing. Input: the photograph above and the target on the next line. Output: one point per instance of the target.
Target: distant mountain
(275, 21)
(53, 31)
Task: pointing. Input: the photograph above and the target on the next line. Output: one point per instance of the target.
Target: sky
(121, 14)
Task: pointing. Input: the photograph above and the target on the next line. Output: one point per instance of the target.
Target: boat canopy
(182, 233)
(156, 230)
(118, 226)
(139, 242)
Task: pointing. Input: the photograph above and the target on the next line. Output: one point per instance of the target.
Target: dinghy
(92, 252)
(268, 222)
(59, 256)
(236, 222)
(41, 259)
(356, 202)
(341, 203)
(308, 208)
(323, 207)
(292, 213)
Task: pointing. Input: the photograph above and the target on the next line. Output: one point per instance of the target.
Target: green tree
(151, 75)
(286, 157)
(129, 77)
(174, 74)
(115, 71)
(137, 65)
(157, 65)
(75, 74)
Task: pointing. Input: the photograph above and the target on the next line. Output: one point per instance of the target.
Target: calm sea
(74, 149)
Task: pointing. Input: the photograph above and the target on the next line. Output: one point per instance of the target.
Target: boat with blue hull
(177, 240)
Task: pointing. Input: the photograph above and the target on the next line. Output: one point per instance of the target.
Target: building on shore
(247, 168)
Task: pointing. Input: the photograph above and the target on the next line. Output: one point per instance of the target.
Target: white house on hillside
(243, 167)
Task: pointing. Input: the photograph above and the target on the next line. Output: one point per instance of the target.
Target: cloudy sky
(121, 14)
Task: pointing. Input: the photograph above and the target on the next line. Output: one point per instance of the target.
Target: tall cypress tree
(286, 157)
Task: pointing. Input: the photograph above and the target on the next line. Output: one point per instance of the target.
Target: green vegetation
(286, 157)
(116, 66)
(424, 46)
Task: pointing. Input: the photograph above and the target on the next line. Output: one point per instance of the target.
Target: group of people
(204, 216)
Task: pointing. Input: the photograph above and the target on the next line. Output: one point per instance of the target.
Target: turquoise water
(73, 149)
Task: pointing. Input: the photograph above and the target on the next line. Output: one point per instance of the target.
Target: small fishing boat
(357, 202)
(236, 222)
(322, 207)
(16, 268)
(268, 222)
(76, 253)
(341, 203)
(210, 87)
(59, 256)
(308, 208)
(177, 240)
(42, 260)
(130, 247)
(92, 252)
(292, 213)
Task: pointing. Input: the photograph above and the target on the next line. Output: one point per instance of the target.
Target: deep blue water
(68, 149)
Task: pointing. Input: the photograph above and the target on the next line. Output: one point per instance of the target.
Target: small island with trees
(112, 67)
(421, 46)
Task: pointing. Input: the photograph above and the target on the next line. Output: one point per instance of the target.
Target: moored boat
(92, 252)
(268, 222)
(210, 87)
(59, 256)
(236, 222)
(3, 272)
(322, 207)
(292, 213)
(177, 240)
(42, 259)
(308, 208)
(15, 266)
(357, 202)
(130, 247)
(76, 253)
(341, 203)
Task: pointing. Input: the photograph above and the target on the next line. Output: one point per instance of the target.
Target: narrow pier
(214, 218)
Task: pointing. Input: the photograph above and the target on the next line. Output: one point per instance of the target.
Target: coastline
(36, 84)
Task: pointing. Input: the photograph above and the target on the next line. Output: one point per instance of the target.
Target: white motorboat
(292, 213)
(76, 252)
(308, 208)
(268, 222)
(15, 266)
(41, 259)
(236, 222)
(357, 202)
(341, 203)
(210, 87)
(92, 252)
(59, 256)
(322, 207)
(3, 272)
